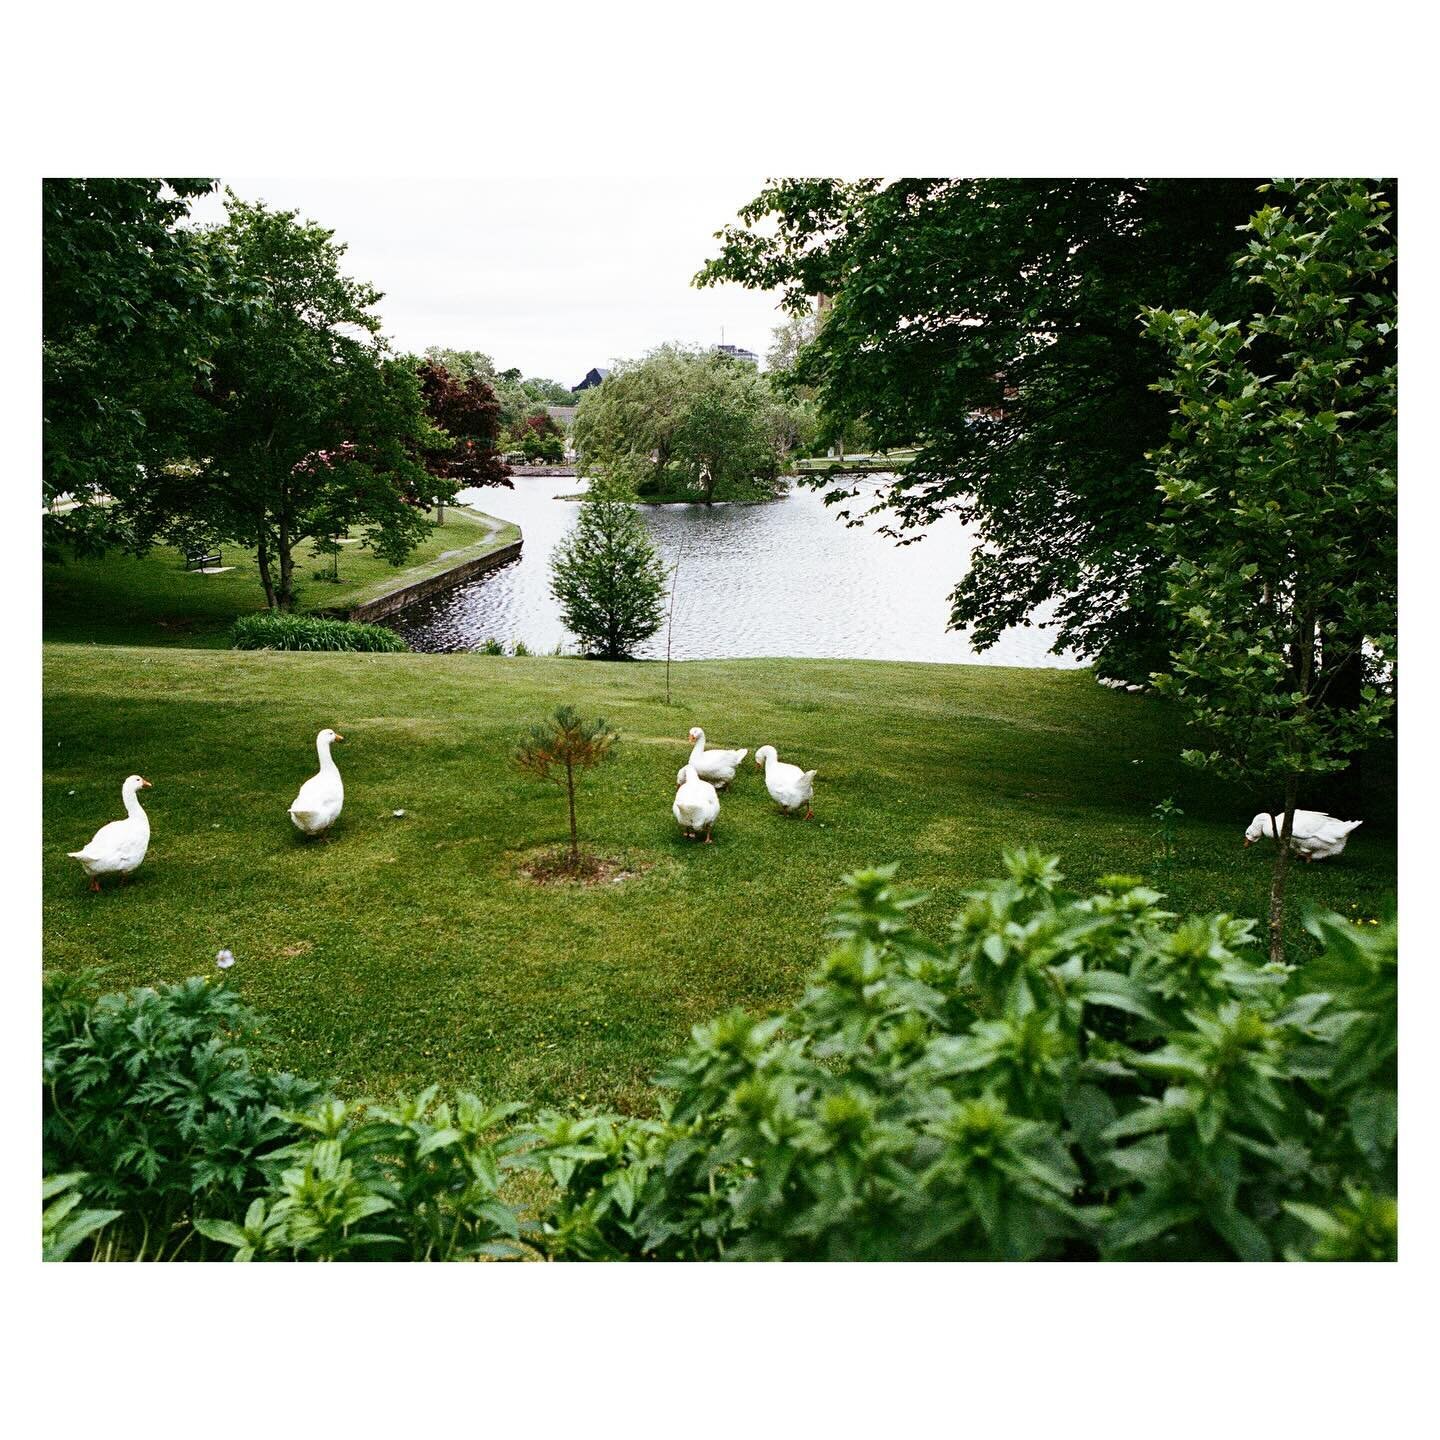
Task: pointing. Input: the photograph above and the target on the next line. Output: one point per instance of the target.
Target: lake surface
(782, 578)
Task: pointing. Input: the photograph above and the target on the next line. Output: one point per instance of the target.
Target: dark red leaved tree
(469, 413)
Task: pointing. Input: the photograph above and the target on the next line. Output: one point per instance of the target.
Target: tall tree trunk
(287, 568)
(262, 557)
(574, 832)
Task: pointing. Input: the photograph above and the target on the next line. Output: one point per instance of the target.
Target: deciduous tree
(684, 420)
(467, 413)
(306, 425)
(1279, 487)
(132, 304)
(991, 322)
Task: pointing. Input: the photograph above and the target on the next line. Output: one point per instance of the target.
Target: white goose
(716, 766)
(119, 847)
(317, 807)
(1313, 834)
(790, 787)
(697, 806)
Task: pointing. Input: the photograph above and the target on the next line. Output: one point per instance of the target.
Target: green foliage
(608, 577)
(1166, 813)
(538, 445)
(1065, 1076)
(689, 422)
(991, 323)
(153, 1096)
(519, 649)
(272, 631)
(518, 396)
(131, 304)
(1279, 485)
(1068, 1077)
(561, 749)
(415, 1180)
(306, 425)
(64, 1226)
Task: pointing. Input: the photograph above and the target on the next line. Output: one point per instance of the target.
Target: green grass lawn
(119, 600)
(405, 951)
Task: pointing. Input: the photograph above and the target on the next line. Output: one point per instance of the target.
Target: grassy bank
(119, 600)
(410, 950)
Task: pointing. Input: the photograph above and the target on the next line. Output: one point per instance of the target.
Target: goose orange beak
(145, 784)
(338, 735)
(1248, 842)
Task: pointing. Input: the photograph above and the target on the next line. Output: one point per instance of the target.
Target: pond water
(781, 578)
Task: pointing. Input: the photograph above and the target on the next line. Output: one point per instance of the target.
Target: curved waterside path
(782, 578)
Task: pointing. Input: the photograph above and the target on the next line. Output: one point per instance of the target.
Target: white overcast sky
(550, 275)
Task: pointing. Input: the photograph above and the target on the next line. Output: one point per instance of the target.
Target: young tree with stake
(560, 749)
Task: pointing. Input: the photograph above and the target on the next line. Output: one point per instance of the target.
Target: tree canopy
(992, 323)
(132, 303)
(306, 425)
(466, 410)
(686, 421)
(518, 395)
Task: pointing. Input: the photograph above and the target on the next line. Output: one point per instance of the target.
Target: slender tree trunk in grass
(670, 620)
(1281, 871)
(1305, 664)
(574, 833)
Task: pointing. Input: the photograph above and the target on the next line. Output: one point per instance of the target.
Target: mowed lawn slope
(405, 951)
(120, 600)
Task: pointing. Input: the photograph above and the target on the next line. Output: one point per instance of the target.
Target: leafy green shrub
(1068, 1077)
(411, 1181)
(152, 1095)
(63, 1226)
(310, 632)
(154, 1110)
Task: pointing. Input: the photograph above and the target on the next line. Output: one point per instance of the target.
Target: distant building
(592, 379)
(736, 353)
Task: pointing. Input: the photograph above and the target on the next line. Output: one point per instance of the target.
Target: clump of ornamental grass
(311, 632)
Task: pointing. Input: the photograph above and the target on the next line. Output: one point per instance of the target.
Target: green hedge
(309, 632)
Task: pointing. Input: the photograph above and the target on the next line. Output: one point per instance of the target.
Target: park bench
(203, 559)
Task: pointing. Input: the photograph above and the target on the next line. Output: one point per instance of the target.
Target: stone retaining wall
(373, 610)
